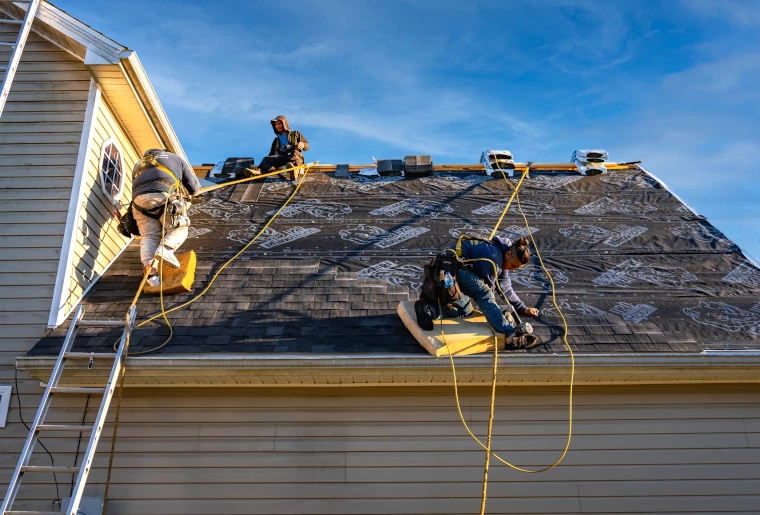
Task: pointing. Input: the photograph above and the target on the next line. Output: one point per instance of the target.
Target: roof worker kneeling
(285, 151)
(161, 183)
(480, 267)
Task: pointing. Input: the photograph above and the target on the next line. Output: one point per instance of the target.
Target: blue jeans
(475, 288)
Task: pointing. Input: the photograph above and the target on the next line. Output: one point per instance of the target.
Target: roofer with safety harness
(285, 150)
(476, 269)
(161, 183)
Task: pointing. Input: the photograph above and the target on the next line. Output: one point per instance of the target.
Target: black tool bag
(433, 288)
(127, 223)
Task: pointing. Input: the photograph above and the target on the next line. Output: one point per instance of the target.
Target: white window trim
(113, 198)
(5, 402)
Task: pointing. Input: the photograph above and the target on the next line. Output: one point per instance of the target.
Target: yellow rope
(506, 208)
(493, 394)
(256, 177)
(233, 258)
(164, 312)
(484, 496)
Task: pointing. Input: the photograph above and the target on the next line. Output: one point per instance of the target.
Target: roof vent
(341, 171)
(231, 168)
(418, 166)
(590, 162)
(495, 160)
(389, 167)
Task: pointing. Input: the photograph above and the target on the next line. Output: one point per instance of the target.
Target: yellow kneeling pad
(176, 280)
(470, 335)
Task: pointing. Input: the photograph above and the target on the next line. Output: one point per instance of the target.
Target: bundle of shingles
(590, 162)
(418, 166)
(496, 161)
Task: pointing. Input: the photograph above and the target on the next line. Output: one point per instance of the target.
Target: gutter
(384, 370)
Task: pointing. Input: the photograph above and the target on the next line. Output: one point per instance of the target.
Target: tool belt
(173, 213)
(177, 205)
(434, 289)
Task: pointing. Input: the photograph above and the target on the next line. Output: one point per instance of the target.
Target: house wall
(40, 131)
(652, 450)
(40, 140)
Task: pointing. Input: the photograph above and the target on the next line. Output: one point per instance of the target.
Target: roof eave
(399, 370)
(139, 81)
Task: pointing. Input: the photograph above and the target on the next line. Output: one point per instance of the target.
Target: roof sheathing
(637, 272)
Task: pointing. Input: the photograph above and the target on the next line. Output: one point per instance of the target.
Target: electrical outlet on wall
(5, 402)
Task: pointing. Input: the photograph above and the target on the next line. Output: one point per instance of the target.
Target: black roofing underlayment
(635, 269)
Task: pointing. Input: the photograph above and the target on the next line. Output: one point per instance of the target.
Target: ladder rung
(64, 427)
(12, 22)
(35, 468)
(88, 355)
(3, 43)
(101, 323)
(33, 513)
(71, 389)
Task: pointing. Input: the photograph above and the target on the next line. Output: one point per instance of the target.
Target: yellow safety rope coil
(487, 446)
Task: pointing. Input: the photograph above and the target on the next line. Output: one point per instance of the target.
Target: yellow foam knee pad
(461, 336)
(176, 280)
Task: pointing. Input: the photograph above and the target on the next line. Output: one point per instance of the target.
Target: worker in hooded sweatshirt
(490, 262)
(159, 206)
(285, 151)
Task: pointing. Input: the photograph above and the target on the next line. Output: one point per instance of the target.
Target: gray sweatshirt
(153, 180)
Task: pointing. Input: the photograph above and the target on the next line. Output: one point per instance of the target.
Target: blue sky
(673, 83)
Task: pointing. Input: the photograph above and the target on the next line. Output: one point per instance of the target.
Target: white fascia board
(58, 311)
(78, 31)
(136, 73)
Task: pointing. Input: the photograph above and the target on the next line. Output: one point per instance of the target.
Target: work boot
(167, 255)
(251, 172)
(424, 315)
(526, 341)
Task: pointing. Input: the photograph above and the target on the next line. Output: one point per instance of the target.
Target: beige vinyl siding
(652, 450)
(98, 241)
(40, 131)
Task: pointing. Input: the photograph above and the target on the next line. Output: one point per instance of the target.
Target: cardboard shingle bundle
(590, 162)
(418, 165)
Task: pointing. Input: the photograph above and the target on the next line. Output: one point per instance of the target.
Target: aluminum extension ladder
(18, 48)
(95, 429)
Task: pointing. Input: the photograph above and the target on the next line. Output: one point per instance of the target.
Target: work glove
(530, 312)
(301, 145)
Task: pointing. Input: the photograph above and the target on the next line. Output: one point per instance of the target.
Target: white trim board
(58, 311)
(5, 402)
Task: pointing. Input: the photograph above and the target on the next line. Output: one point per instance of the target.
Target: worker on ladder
(161, 183)
(286, 150)
(481, 268)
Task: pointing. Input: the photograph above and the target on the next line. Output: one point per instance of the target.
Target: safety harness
(176, 207)
(434, 289)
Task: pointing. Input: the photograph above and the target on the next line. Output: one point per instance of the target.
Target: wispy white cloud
(739, 12)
